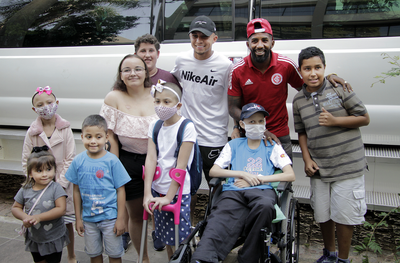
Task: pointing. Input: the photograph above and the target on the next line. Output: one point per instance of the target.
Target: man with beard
(263, 77)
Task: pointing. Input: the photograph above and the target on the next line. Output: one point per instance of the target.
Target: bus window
(332, 18)
(241, 19)
(179, 14)
(361, 18)
(72, 23)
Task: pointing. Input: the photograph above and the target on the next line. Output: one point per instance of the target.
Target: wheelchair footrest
(275, 259)
(182, 255)
(265, 245)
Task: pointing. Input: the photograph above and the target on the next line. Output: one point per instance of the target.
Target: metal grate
(382, 201)
(370, 151)
(383, 152)
(302, 193)
(375, 200)
(296, 148)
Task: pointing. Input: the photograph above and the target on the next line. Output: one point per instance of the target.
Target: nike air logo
(207, 80)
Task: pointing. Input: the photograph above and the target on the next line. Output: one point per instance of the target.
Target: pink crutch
(174, 208)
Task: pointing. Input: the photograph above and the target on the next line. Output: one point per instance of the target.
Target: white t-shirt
(205, 95)
(167, 145)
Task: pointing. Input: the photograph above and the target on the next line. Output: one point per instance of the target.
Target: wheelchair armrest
(283, 186)
(215, 181)
(215, 189)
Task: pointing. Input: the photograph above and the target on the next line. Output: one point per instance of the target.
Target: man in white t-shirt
(204, 77)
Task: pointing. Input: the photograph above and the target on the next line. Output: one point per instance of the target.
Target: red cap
(263, 27)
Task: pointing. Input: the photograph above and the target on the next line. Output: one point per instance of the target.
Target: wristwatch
(236, 127)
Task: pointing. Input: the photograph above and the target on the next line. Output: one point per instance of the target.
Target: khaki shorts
(342, 201)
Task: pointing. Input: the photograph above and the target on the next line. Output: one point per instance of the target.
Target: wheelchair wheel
(291, 226)
(293, 233)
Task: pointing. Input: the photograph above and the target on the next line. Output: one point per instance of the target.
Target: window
(38, 23)
(48, 23)
(333, 18)
(179, 14)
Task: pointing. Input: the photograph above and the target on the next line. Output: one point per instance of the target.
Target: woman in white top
(129, 109)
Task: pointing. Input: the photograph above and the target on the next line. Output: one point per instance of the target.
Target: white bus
(75, 47)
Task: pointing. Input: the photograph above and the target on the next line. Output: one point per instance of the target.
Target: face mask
(47, 112)
(165, 113)
(254, 131)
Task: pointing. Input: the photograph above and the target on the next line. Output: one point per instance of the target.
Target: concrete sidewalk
(12, 248)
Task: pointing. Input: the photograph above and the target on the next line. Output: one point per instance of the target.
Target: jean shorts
(96, 233)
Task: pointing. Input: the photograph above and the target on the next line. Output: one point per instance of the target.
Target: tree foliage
(369, 243)
(393, 72)
(64, 22)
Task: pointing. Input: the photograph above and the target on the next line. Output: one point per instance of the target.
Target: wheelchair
(283, 238)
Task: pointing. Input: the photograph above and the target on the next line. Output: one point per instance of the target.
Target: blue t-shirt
(98, 180)
(261, 161)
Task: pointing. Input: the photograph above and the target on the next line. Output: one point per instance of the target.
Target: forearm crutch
(174, 208)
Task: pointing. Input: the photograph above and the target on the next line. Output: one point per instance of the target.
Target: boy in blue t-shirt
(99, 181)
(247, 201)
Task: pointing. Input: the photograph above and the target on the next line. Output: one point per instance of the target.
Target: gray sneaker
(328, 257)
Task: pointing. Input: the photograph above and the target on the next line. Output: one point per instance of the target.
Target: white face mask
(165, 113)
(254, 131)
(47, 112)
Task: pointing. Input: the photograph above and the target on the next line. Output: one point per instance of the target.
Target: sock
(332, 254)
(343, 260)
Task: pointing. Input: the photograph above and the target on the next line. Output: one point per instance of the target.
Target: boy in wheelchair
(247, 200)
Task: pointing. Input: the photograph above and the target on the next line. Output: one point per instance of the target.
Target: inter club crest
(277, 78)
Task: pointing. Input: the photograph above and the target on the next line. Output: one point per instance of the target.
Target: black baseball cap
(251, 108)
(203, 24)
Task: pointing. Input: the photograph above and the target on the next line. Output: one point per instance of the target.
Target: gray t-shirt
(45, 231)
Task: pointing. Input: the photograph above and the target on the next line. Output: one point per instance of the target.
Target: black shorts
(209, 155)
(133, 163)
(51, 258)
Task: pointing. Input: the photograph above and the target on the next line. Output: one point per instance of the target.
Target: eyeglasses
(129, 70)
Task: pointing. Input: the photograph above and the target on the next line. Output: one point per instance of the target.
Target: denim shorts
(96, 233)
